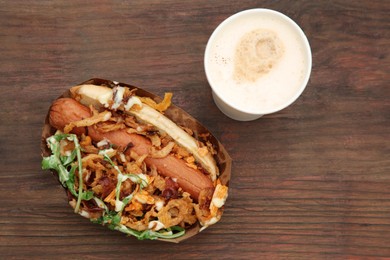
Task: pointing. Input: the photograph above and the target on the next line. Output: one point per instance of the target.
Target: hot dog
(66, 110)
(126, 165)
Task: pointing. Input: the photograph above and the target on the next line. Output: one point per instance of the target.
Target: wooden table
(312, 181)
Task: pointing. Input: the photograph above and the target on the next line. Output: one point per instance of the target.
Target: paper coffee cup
(257, 62)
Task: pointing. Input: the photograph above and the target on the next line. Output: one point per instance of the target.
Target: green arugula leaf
(87, 195)
(70, 182)
(53, 162)
(110, 218)
(65, 166)
(66, 160)
(152, 235)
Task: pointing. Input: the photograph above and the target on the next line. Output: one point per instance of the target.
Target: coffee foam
(257, 52)
(244, 75)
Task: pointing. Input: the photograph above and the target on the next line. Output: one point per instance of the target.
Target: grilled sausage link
(66, 110)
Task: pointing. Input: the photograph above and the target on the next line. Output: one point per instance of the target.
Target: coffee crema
(257, 63)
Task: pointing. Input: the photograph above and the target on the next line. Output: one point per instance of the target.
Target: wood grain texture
(309, 182)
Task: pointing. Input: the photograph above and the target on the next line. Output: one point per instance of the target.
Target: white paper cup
(276, 84)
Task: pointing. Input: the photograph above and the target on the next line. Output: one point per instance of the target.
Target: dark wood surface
(312, 181)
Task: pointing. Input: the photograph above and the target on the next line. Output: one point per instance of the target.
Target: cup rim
(298, 30)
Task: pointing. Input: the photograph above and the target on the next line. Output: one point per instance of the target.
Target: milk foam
(257, 53)
(269, 91)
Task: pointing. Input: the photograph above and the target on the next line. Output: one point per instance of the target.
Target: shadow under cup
(220, 61)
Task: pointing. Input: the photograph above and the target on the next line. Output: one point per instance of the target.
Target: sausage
(189, 179)
(66, 110)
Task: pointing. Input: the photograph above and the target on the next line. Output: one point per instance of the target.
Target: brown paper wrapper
(177, 115)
